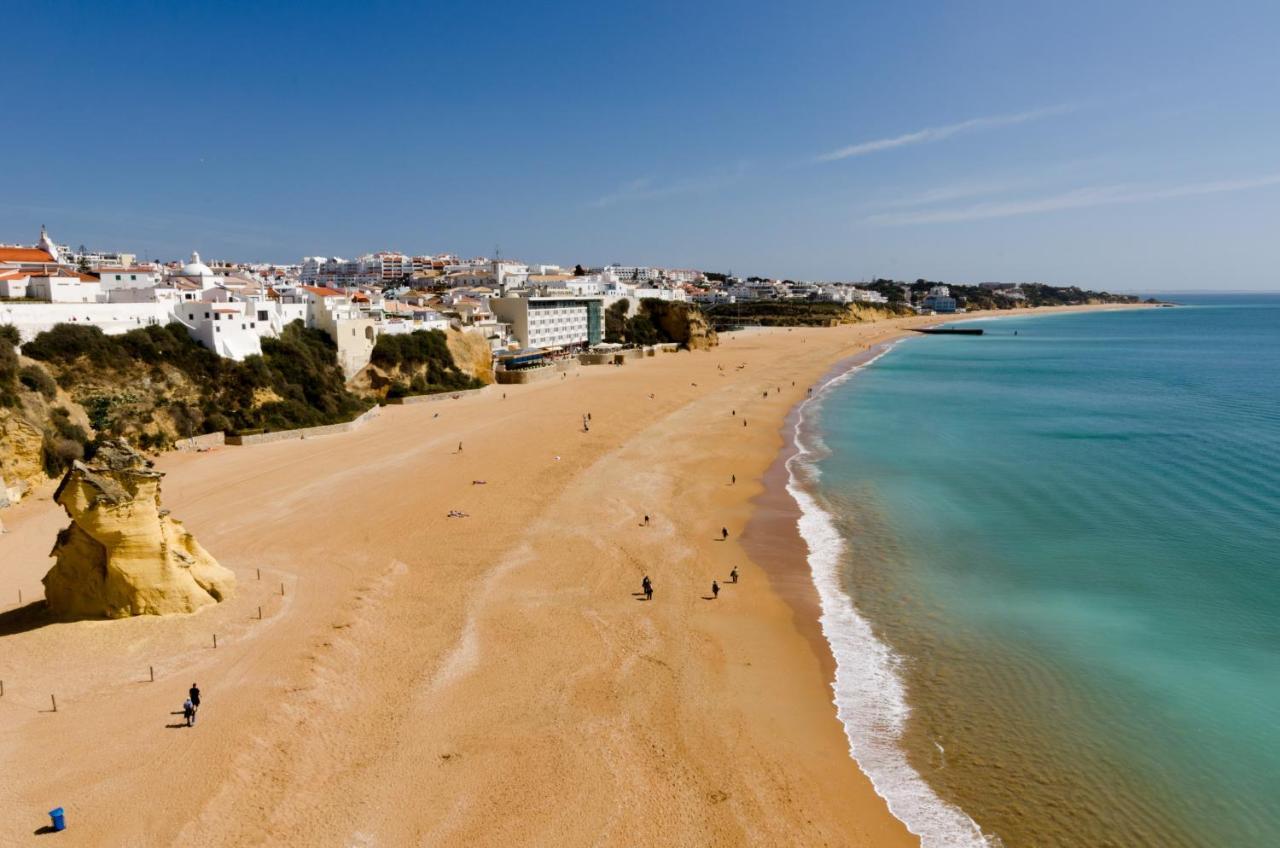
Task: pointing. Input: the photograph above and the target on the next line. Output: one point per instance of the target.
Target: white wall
(31, 319)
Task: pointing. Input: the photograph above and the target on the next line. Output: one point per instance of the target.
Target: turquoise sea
(1049, 560)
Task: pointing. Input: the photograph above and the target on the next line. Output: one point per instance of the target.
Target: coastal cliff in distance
(122, 554)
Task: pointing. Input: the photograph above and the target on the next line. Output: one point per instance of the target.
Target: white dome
(196, 268)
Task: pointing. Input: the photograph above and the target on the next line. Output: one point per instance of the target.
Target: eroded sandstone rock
(123, 555)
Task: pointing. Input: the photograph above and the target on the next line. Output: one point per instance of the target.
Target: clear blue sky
(1129, 145)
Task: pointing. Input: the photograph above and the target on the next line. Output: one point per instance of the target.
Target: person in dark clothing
(733, 479)
(646, 586)
(646, 521)
(733, 575)
(724, 533)
(194, 692)
(715, 589)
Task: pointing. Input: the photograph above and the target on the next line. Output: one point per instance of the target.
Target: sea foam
(868, 692)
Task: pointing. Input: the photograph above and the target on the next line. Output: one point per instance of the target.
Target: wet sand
(489, 680)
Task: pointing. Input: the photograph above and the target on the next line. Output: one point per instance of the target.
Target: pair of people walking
(191, 705)
(646, 586)
(715, 586)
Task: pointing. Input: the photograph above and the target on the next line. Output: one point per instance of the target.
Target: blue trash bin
(59, 819)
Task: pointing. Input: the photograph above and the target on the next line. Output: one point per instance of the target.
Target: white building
(939, 299)
(563, 321)
(128, 277)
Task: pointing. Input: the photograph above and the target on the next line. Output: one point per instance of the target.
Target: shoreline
(406, 670)
(773, 535)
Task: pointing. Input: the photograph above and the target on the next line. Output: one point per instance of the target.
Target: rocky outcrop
(123, 555)
(680, 322)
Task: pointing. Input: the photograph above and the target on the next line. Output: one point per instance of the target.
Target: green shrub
(423, 356)
(300, 367)
(38, 380)
(8, 376)
(9, 333)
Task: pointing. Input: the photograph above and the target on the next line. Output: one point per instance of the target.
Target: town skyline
(1100, 147)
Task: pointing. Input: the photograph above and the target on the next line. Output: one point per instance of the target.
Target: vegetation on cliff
(977, 297)
(657, 322)
(156, 385)
(798, 313)
(417, 363)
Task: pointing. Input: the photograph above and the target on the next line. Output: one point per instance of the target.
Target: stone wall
(203, 442)
(437, 396)
(302, 433)
(525, 375)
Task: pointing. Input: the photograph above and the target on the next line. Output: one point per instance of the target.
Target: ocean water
(1049, 566)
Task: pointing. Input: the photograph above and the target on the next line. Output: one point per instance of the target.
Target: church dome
(196, 268)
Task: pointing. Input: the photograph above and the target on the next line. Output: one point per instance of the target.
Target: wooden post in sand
(282, 590)
(259, 613)
(259, 573)
(215, 640)
(19, 597)
(1, 688)
(152, 670)
(53, 701)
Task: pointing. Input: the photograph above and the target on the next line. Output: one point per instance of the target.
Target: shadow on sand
(32, 616)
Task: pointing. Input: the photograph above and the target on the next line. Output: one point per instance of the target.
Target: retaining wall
(303, 433)
(204, 442)
(525, 375)
(437, 396)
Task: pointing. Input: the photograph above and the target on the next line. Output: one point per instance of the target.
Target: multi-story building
(561, 321)
(939, 299)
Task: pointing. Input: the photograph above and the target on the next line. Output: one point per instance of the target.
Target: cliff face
(21, 457)
(862, 312)
(123, 555)
(681, 322)
(472, 354)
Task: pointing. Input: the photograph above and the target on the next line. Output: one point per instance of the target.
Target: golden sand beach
(495, 679)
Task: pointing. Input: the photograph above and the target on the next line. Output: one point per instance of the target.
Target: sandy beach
(417, 679)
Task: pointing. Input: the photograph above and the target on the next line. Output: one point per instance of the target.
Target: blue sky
(1126, 145)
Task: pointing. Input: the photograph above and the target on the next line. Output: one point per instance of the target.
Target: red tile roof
(24, 254)
(322, 291)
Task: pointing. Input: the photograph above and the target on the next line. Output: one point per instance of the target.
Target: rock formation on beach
(123, 555)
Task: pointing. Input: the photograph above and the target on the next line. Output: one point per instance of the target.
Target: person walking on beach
(724, 533)
(715, 590)
(194, 692)
(189, 712)
(646, 520)
(459, 447)
(733, 479)
(733, 575)
(646, 586)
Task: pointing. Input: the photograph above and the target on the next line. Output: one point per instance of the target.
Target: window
(131, 276)
(206, 316)
(262, 314)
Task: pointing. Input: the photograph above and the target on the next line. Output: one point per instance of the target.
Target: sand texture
(494, 679)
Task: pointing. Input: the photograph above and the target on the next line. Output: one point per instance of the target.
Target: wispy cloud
(646, 189)
(932, 134)
(960, 191)
(1079, 198)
